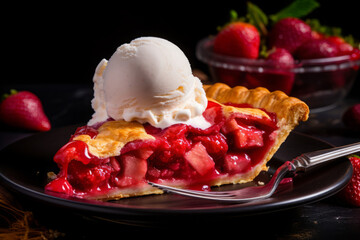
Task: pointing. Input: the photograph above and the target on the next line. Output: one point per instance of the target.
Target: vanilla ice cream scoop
(149, 80)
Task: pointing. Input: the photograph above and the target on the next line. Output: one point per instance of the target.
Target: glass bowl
(321, 83)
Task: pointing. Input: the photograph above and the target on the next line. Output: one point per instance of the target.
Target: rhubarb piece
(199, 159)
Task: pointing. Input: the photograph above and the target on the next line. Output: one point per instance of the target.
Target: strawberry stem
(6, 95)
(331, 31)
(233, 16)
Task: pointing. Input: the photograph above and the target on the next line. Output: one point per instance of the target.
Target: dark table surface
(67, 104)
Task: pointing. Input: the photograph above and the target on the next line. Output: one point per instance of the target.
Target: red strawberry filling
(232, 145)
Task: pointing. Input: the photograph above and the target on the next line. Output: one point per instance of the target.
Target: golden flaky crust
(289, 111)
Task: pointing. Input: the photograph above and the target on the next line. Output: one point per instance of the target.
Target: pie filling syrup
(234, 144)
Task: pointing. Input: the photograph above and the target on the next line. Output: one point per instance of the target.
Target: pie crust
(289, 112)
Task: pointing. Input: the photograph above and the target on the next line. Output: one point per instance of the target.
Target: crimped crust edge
(290, 109)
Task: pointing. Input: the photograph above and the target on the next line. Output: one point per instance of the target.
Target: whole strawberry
(279, 77)
(281, 58)
(344, 48)
(24, 110)
(351, 193)
(238, 39)
(317, 48)
(289, 33)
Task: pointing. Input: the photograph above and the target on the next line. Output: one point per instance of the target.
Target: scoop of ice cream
(98, 102)
(150, 80)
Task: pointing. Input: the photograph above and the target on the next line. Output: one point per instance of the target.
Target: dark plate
(25, 163)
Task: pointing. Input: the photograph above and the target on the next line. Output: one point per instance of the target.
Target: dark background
(63, 43)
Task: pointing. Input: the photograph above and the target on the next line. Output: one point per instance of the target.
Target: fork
(302, 163)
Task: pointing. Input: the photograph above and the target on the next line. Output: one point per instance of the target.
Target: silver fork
(301, 163)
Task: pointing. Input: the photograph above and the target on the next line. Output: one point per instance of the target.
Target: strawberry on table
(24, 110)
(351, 193)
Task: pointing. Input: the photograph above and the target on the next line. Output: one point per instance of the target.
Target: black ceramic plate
(25, 163)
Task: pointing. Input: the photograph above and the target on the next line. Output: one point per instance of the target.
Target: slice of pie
(117, 158)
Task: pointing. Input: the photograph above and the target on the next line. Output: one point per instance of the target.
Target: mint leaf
(297, 9)
(257, 18)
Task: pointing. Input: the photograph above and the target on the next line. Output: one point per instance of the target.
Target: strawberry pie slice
(116, 159)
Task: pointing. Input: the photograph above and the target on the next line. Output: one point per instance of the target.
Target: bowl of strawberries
(302, 58)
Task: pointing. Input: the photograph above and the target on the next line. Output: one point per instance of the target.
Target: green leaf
(297, 9)
(257, 18)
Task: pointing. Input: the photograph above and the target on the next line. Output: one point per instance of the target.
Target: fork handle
(309, 160)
